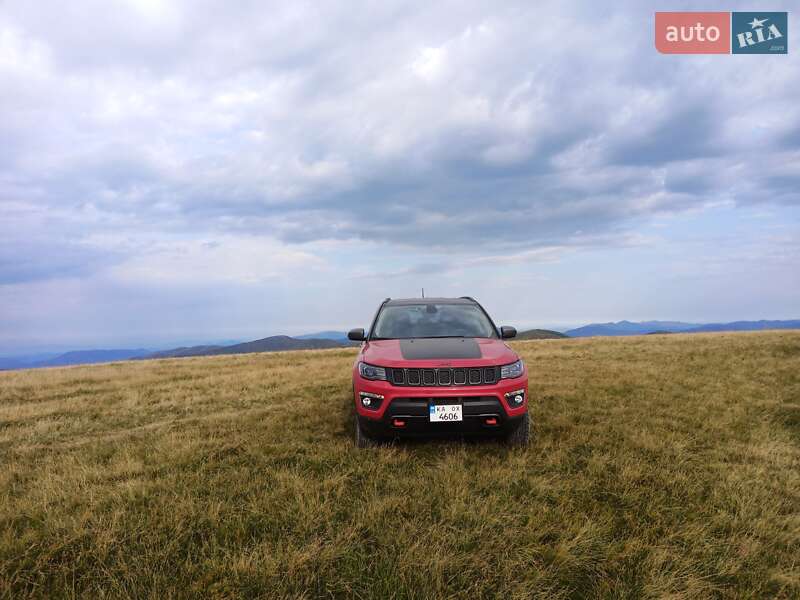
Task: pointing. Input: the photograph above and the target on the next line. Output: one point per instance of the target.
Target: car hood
(438, 352)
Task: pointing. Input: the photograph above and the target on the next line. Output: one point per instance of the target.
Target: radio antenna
(423, 292)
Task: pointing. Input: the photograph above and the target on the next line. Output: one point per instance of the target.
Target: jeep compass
(437, 366)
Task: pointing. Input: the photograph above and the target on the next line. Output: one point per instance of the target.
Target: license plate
(445, 412)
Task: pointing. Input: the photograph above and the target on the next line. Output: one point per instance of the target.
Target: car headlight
(371, 372)
(511, 371)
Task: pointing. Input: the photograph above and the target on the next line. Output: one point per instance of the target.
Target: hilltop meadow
(659, 466)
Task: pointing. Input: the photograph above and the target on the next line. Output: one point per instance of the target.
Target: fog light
(515, 398)
(370, 400)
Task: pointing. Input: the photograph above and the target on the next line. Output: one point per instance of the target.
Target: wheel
(362, 439)
(521, 435)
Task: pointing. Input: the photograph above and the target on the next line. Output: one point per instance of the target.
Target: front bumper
(404, 411)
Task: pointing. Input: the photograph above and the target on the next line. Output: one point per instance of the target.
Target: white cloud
(472, 134)
(225, 260)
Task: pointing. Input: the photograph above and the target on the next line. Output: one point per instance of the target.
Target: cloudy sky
(179, 172)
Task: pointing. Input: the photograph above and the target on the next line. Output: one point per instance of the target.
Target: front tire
(521, 435)
(362, 439)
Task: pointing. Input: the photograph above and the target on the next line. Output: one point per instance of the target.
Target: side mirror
(357, 335)
(507, 332)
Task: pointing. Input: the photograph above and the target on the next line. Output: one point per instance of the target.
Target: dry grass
(660, 466)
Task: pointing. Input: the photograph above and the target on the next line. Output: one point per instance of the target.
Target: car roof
(407, 301)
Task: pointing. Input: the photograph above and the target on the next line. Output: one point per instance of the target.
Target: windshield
(432, 320)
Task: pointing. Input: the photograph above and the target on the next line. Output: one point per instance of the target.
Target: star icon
(757, 23)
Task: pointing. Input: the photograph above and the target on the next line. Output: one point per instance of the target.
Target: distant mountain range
(182, 351)
(747, 326)
(339, 336)
(75, 357)
(84, 357)
(275, 343)
(629, 328)
(540, 334)
(338, 339)
(24, 361)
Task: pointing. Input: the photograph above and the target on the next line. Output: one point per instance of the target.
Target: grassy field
(659, 466)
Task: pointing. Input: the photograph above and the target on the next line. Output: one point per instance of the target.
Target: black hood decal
(439, 348)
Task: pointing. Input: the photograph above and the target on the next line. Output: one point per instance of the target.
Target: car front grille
(443, 377)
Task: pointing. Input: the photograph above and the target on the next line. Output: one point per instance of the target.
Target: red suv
(438, 366)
